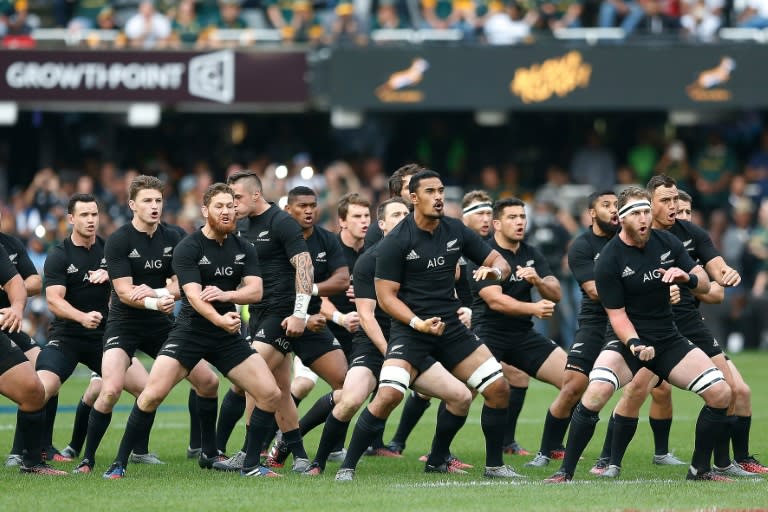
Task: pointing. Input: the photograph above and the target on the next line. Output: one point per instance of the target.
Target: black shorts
(455, 345)
(10, 354)
(365, 354)
(310, 346)
(526, 351)
(223, 350)
(669, 353)
(130, 340)
(587, 344)
(344, 337)
(62, 354)
(23, 341)
(692, 326)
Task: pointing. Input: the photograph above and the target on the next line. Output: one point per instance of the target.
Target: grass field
(389, 484)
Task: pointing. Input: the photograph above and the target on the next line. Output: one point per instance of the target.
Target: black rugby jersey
(67, 265)
(364, 274)
(701, 249)
(277, 238)
(327, 257)
(7, 270)
(199, 259)
(582, 258)
(425, 263)
(628, 277)
(483, 317)
(17, 254)
(373, 235)
(147, 259)
(340, 300)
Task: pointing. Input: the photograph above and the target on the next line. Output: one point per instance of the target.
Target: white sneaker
(734, 470)
(300, 465)
(668, 459)
(145, 458)
(13, 461)
(337, 456)
(501, 472)
(234, 463)
(612, 471)
(69, 452)
(539, 461)
(345, 475)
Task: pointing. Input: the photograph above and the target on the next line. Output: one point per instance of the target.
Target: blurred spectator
(593, 165)
(444, 14)
(6, 9)
(661, 15)
(387, 16)
(738, 233)
(701, 19)
(712, 170)
(756, 172)
(643, 156)
(556, 15)
(674, 163)
(20, 22)
(148, 28)
(550, 192)
(185, 26)
(629, 12)
(345, 26)
(755, 15)
(295, 19)
(509, 26)
(229, 15)
(625, 176)
(86, 13)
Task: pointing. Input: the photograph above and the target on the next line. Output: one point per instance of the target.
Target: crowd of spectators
(200, 23)
(730, 198)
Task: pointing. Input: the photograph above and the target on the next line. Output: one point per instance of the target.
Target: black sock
(582, 429)
(334, 433)
(138, 427)
(295, 444)
(448, 425)
(206, 418)
(740, 436)
(413, 410)
(244, 448)
(80, 428)
(366, 429)
(721, 451)
(516, 399)
(660, 430)
(493, 422)
(232, 409)
(31, 425)
(624, 429)
(194, 420)
(709, 427)
(605, 453)
(98, 422)
(18, 440)
(317, 414)
(260, 426)
(554, 433)
(273, 430)
(50, 418)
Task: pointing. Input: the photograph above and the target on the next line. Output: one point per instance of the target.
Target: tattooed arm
(294, 324)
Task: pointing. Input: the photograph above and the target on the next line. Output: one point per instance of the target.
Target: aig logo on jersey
(223, 271)
(651, 275)
(153, 264)
(435, 262)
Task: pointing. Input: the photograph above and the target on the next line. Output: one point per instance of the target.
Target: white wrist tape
(466, 310)
(338, 318)
(162, 292)
(414, 321)
(151, 303)
(301, 305)
(315, 291)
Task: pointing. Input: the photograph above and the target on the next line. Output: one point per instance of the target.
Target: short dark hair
(396, 180)
(253, 179)
(659, 180)
(348, 199)
(501, 204)
(629, 193)
(417, 178)
(301, 190)
(144, 182)
(80, 198)
(383, 206)
(685, 196)
(594, 196)
(216, 188)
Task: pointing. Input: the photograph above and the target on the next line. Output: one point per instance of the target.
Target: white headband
(635, 205)
(477, 207)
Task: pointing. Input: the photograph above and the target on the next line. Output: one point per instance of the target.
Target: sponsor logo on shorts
(335, 343)
(395, 349)
(53, 343)
(358, 360)
(260, 334)
(283, 343)
(112, 341)
(576, 348)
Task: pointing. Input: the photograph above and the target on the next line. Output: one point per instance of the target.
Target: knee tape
(299, 370)
(395, 377)
(705, 380)
(485, 374)
(602, 374)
